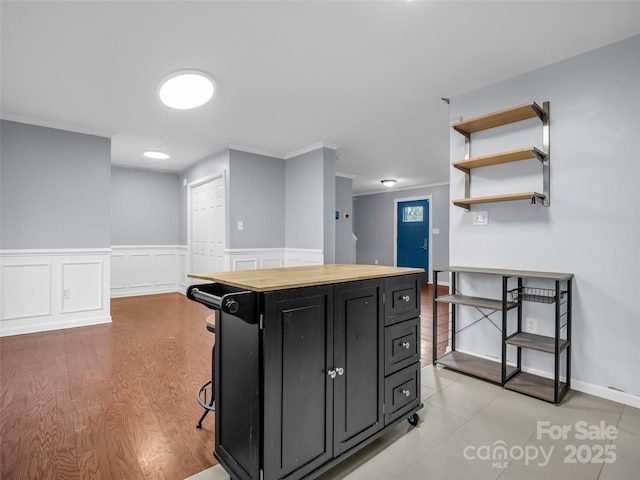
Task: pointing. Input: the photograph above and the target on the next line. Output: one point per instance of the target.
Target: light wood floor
(116, 401)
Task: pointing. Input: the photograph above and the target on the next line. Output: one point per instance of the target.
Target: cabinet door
(298, 408)
(358, 359)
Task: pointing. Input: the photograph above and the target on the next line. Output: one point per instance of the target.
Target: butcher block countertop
(292, 277)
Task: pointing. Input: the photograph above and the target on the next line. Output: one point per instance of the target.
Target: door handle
(425, 246)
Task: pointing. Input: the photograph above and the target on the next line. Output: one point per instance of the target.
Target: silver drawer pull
(331, 373)
(406, 298)
(406, 345)
(406, 393)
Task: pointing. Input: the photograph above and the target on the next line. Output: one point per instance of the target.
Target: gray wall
(304, 211)
(55, 188)
(374, 224)
(145, 207)
(592, 227)
(345, 247)
(256, 197)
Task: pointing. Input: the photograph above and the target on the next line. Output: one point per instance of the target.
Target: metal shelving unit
(502, 372)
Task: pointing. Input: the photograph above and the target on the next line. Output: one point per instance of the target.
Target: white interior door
(207, 226)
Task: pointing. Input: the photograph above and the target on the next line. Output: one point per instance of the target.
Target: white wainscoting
(297, 257)
(148, 269)
(50, 289)
(259, 258)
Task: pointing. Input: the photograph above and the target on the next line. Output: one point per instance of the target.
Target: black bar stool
(210, 385)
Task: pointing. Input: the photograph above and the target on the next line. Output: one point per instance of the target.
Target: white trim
(286, 156)
(33, 286)
(345, 175)
(429, 198)
(591, 389)
(207, 179)
(55, 251)
(260, 258)
(400, 189)
(161, 269)
(45, 325)
(256, 151)
(57, 125)
(296, 257)
(311, 148)
(607, 393)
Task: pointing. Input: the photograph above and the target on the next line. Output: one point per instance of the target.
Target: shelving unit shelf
(512, 297)
(496, 119)
(475, 366)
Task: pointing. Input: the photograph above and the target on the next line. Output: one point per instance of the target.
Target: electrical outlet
(66, 294)
(531, 325)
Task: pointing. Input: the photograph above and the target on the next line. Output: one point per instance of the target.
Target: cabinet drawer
(402, 298)
(402, 392)
(401, 345)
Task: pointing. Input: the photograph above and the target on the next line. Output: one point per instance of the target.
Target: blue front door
(413, 234)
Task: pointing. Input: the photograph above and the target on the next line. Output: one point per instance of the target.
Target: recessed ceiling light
(156, 155)
(186, 89)
(389, 182)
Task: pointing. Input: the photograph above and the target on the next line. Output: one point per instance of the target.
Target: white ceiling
(365, 75)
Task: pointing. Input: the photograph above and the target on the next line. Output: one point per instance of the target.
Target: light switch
(240, 225)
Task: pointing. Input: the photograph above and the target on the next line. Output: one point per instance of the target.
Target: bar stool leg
(210, 406)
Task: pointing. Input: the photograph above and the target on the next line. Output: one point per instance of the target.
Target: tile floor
(466, 422)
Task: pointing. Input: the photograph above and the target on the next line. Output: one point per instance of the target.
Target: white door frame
(190, 187)
(395, 228)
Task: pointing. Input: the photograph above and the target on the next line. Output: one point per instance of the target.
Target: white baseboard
(51, 289)
(580, 386)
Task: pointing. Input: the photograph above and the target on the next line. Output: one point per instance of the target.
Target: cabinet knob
(406, 298)
(340, 371)
(406, 393)
(405, 345)
(332, 373)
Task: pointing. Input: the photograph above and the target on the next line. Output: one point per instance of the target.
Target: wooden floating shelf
(499, 158)
(475, 301)
(475, 366)
(536, 342)
(467, 202)
(501, 117)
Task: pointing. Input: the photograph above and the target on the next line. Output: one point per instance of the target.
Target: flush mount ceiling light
(186, 89)
(156, 155)
(389, 182)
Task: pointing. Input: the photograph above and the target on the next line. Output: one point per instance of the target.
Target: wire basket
(538, 295)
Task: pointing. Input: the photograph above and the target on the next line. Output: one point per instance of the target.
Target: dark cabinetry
(321, 374)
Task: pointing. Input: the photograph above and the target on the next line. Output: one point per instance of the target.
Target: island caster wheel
(413, 419)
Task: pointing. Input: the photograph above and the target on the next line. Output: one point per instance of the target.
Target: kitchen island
(312, 363)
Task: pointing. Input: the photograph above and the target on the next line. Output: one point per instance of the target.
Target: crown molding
(256, 151)
(56, 125)
(311, 148)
